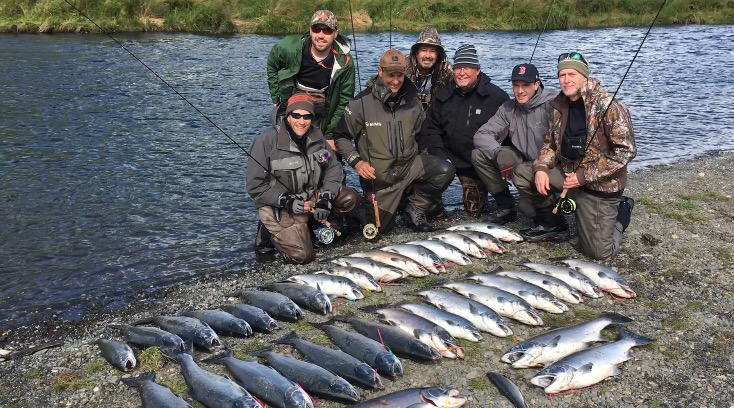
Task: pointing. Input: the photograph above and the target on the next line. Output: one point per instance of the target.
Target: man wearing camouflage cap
(317, 64)
(428, 66)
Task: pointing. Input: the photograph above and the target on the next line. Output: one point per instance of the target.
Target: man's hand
(331, 144)
(542, 182)
(322, 209)
(365, 170)
(571, 181)
(505, 164)
(292, 203)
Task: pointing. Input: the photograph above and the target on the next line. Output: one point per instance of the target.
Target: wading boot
(505, 211)
(263, 245)
(436, 210)
(548, 227)
(624, 214)
(416, 220)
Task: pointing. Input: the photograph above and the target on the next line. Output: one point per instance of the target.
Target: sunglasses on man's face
(322, 29)
(306, 116)
(572, 56)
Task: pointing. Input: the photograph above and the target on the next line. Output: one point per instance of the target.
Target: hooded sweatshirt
(525, 125)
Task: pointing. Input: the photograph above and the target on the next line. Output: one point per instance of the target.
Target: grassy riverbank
(288, 16)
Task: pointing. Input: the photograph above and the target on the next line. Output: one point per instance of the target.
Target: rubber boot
(549, 226)
(505, 211)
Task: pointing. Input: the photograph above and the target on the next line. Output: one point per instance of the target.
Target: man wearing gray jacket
(512, 136)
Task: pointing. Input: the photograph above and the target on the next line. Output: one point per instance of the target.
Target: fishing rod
(105, 32)
(547, 18)
(370, 230)
(568, 205)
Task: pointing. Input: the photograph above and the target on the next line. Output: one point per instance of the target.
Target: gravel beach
(678, 255)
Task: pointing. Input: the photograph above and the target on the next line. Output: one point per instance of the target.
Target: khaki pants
(429, 176)
(291, 235)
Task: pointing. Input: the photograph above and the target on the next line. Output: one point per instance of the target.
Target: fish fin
(118, 326)
(235, 294)
(559, 259)
(374, 308)
(554, 341)
(218, 358)
(586, 368)
(523, 261)
(172, 352)
(418, 333)
(147, 320)
(346, 318)
(638, 339)
(138, 381)
(289, 338)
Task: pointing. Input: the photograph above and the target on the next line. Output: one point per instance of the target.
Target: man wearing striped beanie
(458, 111)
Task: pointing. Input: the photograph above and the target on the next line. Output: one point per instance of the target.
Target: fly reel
(325, 235)
(567, 206)
(370, 231)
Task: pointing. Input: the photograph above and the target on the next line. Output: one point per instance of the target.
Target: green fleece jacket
(284, 62)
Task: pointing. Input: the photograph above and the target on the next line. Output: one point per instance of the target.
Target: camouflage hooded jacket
(609, 148)
(442, 71)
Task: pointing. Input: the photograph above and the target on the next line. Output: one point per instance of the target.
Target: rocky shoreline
(678, 256)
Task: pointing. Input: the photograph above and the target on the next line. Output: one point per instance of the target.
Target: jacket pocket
(290, 171)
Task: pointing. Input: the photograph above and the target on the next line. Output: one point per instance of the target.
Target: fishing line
(288, 190)
(550, 9)
(567, 203)
(390, 24)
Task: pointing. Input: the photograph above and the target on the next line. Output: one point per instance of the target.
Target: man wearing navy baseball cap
(512, 136)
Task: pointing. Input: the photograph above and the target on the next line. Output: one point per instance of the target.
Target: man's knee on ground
(599, 252)
(301, 257)
(346, 202)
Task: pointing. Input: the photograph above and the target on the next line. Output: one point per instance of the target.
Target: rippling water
(111, 184)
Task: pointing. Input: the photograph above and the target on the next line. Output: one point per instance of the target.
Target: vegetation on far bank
(291, 16)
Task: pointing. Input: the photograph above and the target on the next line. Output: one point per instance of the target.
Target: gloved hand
(505, 163)
(322, 208)
(292, 203)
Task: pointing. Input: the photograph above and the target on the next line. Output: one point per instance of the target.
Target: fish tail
(138, 381)
(289, 338)
(637, 339)
(147, 320)
(617, 318)
(260, 352)
(219, 358)
(117, 326)
(523, 261)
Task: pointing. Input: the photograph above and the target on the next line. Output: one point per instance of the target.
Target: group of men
(420, 122)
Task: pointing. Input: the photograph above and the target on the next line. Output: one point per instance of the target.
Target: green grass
(585, 314)
(724, 253)
(68, 381)
(478, 384)
(293, 16)
(656, 404)
(687, 214)
(32, 373)
(177, 386)
(96, 366)
(152, 359)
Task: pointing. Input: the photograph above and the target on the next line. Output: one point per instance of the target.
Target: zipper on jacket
(400, 134)
(389, 138)
(468, 116)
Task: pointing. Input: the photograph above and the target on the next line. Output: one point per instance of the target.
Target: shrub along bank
(289, 16)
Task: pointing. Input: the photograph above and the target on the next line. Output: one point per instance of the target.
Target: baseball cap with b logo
(525, 72)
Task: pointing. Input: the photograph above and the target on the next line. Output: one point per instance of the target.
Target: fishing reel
(567, 205)
(370, 231)
(325, 235)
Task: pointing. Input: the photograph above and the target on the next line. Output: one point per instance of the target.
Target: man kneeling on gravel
(589, 143)
(295, 178)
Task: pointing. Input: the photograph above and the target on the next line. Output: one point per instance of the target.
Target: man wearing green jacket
(317, 64)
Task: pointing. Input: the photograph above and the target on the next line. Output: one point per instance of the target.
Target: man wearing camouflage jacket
(589, 143)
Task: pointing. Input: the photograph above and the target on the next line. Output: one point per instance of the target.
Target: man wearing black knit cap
(455, 116)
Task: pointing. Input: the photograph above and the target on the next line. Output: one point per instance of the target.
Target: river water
(111, 184)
